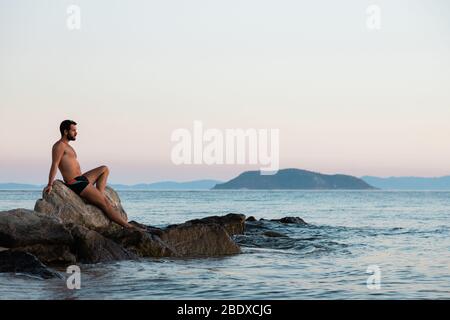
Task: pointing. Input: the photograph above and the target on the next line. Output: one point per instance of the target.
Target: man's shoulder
(58, 145)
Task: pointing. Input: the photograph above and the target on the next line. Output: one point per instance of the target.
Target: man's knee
(105, 169)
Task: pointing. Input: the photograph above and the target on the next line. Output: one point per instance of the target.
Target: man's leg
(98, 176)
(95, 197)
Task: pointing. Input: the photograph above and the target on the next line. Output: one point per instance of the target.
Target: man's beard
(70, 138)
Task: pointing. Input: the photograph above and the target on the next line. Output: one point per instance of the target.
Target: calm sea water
(406, 235)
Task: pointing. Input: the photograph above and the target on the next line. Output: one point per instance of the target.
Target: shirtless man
(64, 158)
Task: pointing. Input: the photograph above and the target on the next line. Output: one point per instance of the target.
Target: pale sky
(346, 99)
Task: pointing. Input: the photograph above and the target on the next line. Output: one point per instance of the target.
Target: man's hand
(48, 189)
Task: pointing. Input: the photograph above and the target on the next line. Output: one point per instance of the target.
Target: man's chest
(70, 152)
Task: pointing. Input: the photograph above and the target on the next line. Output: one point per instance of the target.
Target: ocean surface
(401, 237)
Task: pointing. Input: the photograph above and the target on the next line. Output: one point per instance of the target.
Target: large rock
(68, 207)
(143, 244)
(91, 247)
(290, 220)
(22, 227)
(51, 254)
(199, 239)
(210, 236)
(233, 223)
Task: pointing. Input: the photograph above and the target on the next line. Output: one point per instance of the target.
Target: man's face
(72, 133)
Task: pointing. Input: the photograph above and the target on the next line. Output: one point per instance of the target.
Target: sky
(345, 98)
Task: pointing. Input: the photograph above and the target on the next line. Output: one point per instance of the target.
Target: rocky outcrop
(21, 227)
(233, 223)
(53, 254)
(64, 230)
(291, 220)
(142, 244)
(90, 246)
(198, 239)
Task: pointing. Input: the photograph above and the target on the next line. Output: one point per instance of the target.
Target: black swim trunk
(78, 184)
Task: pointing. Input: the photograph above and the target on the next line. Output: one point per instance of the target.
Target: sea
(355, 245)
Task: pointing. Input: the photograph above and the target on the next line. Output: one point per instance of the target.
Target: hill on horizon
(294, 179)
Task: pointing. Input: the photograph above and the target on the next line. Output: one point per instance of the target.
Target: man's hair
(65, 125)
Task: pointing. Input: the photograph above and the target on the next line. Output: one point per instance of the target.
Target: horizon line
(221, 181)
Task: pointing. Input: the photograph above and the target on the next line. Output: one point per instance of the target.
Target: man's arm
(57, 153)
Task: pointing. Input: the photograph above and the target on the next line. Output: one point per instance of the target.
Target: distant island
(294, 179)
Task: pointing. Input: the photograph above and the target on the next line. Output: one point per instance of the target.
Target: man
(64, 158)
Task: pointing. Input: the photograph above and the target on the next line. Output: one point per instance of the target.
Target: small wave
(299, 238)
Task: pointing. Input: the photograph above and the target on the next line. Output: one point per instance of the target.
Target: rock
(274, 234)
(293, 220)
(199, 239)
(233, 223)
(51, 254)
(68, 207)
(21, 227)
(150, 229)
(142, 244)
(23, 262)
(251, 219)
(91, 247)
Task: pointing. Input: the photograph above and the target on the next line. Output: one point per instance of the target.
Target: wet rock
(142, 244)
(52, 254)
(68, 207)
(233, 223)
(251, 219)
(21, 227)
(23, 262)
(199, 239)
(150, 229)
(293, 220)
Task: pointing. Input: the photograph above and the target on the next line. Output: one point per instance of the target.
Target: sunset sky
(345, 98)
